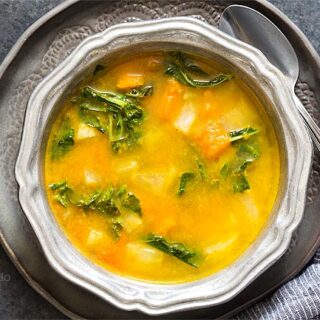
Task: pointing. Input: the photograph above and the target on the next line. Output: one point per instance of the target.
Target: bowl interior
(255, 88)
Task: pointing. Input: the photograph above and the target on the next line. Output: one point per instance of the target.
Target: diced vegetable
(185, 178)
(175, 249)
(143, 253)
(185, 119)
(172, 100)
(63, 140)
(212, 139)
(130, 81)
(131, 222)
(90, 177)
(127, 166)
(156, 181)
(94, 237)
(85, 132)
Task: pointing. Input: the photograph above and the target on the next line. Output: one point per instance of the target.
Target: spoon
(252, 27)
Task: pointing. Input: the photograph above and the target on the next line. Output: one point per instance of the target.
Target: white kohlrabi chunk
(94, 237)
(131, 222)
(143, 253)
(90, 177)
(84, 132)
(185, 119)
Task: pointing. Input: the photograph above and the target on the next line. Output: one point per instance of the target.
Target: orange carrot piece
(129, 81)
(212, 139)
(173, 98)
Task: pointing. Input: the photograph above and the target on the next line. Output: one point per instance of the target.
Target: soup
(162, 167)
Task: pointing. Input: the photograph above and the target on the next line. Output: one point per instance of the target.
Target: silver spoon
(252, 27)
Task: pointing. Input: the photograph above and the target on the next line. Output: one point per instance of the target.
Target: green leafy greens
(175, 249)
(63, 193)
(109, 201)
(140, 92)
(179, 66)
(63, 140)
(187, 64)
(201, 169)
(244, 134)
(235, 170)
(120, 116)
(116, 229)
(185, 178)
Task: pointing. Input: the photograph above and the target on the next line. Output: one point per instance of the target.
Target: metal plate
(50, 41)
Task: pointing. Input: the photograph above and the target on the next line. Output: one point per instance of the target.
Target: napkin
(298, 299)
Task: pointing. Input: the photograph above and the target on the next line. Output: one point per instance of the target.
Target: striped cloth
(299, 299)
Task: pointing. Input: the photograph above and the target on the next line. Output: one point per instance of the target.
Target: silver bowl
(186, 34)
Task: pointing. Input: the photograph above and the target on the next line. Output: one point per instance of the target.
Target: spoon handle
(312, 126)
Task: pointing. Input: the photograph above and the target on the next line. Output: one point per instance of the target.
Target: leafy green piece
(116, 100)
(98, 68)
(185, 178)
(235, 170)
(116, 228)
(225, 171)
(140, 92)
(244, 134)
(93, 106)
(240, 183)
(58, 185)
(248, 151)
(88, 201)
(119, 116)
(201, 169)
(187, 64)
(93, 120)
(108, 201)
(105, 203)
(181, 75)
(63, 192)
(133, 203)
(175, 249)
(63, 140)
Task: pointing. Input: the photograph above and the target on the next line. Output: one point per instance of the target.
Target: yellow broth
(185, 130)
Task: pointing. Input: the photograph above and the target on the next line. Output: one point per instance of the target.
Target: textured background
(18, 300)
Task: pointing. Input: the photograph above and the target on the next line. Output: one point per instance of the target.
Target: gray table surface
(17, 299)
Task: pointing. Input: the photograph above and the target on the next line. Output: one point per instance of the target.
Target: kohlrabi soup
(162, 167)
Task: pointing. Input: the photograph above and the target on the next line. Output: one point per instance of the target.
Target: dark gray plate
(39, 50)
